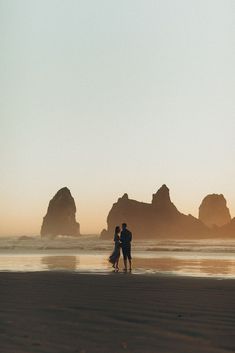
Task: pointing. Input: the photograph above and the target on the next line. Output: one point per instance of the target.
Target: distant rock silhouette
(60, 218)
(228, 230)
(160, 219)
(213, 211)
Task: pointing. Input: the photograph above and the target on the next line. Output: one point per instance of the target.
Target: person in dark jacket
(125, 239)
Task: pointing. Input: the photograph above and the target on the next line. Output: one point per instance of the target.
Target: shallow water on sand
(204, 258)
(97, 263)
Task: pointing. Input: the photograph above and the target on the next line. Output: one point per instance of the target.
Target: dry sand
(51, 312)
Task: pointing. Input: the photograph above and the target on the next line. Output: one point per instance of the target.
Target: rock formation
(159, 219)
(213, 211)
(60, 218)
(228, 230)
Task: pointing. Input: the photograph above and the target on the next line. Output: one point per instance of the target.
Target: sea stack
(213, 211)
(158, 219)
(60, 218)
(161, 202)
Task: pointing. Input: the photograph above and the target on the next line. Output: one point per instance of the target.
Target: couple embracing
(122, 241)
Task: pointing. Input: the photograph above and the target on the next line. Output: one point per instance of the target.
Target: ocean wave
(95, 244)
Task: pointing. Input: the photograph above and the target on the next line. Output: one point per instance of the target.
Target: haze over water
(107, 98)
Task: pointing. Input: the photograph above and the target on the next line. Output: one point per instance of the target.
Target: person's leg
(116, 264)
(125, 264)
(124, 258)
(128, 255)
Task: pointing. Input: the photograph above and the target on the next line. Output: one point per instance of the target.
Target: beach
(64, 312)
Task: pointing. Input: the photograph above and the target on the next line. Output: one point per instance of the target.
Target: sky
(107, 97)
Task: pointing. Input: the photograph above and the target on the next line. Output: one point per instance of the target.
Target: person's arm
(130, 236)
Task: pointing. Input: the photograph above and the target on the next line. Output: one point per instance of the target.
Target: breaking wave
(92, 243)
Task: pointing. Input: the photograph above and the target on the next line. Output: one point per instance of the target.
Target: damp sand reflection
(188, 267)
(75, 263)
(224, 268)
(200, 267)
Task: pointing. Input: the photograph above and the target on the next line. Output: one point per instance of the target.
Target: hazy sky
(108, 97)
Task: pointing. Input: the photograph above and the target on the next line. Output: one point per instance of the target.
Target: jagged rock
(213, 211)
(162, 199)
(60, 218)
(162, 205)
(153, 220)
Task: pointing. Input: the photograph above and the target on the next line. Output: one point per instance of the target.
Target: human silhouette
(114, 257)
(126, 238)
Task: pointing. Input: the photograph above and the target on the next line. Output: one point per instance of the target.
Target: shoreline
(136, 273)
(178, 265)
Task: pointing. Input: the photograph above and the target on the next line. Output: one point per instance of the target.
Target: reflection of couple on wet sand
(122, 241)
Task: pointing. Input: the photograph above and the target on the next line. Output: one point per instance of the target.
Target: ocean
(89, 254)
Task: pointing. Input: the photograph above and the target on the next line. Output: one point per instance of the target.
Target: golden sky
(108, 97)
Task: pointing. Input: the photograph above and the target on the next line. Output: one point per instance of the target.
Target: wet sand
(60, 312)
